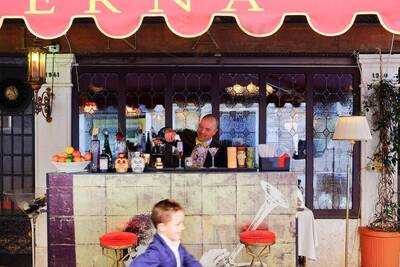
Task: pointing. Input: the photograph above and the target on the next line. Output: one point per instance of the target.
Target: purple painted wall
(60, 221)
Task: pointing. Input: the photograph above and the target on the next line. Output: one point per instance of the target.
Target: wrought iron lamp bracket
(43, 103)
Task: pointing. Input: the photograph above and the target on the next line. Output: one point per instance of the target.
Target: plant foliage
(383, 105)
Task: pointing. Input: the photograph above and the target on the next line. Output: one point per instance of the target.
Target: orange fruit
(55, 158)
(76, 153)
(87, 156)
(62, 155)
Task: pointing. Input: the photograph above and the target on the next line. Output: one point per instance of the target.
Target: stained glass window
(191, 99)
(101, 89)
(286, 119)
(239, 124)
(144, 104)
(333, 97)
(239, 112)
(286, 129)
(188, 116)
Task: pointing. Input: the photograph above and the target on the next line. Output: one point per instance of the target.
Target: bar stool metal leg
(119, 257)
(258, 255)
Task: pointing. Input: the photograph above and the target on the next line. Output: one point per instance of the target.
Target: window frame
(17, 70)
(261, 72)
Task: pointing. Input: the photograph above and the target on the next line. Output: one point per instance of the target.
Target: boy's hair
(163, 210)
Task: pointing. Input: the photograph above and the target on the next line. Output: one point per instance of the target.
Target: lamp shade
(352, 128)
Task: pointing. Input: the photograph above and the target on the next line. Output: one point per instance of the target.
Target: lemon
(69, 150)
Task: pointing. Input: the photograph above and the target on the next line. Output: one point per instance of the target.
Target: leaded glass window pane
(191, 99)
(239, 124)
(333, 97)
(101, 89)
(286, 130)
(188, 116)
(103, 119)
(286, 118)
(144, 104)
(239, 111)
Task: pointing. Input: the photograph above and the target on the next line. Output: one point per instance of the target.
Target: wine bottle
(142, 143)
(107, 149)
(148, 144)
(95, 151)
(104, 161)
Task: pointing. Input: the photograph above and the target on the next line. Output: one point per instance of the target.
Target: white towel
(307, 234)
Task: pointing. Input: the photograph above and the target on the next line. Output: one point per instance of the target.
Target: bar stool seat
(118, 241)
(257, 238)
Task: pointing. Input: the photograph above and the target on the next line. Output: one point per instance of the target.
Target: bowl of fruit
(71, 160)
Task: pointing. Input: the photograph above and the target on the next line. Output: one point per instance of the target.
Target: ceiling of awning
(49, 19)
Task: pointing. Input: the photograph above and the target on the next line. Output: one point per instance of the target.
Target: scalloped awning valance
(50, 19)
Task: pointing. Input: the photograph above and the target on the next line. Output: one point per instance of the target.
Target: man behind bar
(206, 131)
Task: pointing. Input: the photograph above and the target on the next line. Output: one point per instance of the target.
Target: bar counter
(83, 206)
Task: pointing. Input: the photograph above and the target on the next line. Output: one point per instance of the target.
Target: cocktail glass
(179, 147)
(213, 151)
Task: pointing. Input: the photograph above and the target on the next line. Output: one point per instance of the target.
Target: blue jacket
(158, 254)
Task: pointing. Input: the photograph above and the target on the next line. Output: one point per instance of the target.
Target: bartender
(204, 136)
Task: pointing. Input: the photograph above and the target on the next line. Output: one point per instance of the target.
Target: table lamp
(352, 129)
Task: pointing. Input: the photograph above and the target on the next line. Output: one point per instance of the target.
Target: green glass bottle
(107, 149)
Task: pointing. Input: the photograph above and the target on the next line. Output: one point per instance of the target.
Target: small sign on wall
(376, 75)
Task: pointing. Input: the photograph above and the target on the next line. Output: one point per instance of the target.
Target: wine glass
(179, 147)
(213, 151)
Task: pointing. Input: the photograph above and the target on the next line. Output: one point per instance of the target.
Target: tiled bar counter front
(82, 207)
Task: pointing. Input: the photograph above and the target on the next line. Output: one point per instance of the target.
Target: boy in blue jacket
(166, 250)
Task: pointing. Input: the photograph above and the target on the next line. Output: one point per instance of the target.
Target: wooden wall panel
(225, 38)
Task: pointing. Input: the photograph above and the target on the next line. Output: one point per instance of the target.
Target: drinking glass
(213, 151)
(179, 146)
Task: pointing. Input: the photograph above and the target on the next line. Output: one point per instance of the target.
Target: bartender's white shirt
(174, 246)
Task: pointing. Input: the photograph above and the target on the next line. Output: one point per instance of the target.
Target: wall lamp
(41, 103)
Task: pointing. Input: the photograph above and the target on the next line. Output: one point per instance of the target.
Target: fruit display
(71, 155)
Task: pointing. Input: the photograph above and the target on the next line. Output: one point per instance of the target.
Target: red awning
(50, 19)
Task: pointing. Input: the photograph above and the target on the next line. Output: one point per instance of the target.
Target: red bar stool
(257, 238)
(118, 241)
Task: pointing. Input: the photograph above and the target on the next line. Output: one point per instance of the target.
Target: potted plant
(142, 226)
(380, 240)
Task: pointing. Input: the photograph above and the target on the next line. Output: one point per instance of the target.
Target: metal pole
(346, 242)
(33, 222)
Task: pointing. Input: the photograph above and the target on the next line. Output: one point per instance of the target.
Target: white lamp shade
(352, 128)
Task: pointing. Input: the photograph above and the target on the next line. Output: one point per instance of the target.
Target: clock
(11, 93)
(15, 96)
